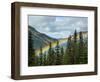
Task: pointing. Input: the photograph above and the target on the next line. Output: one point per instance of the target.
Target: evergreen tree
(85, 51)
(58, 54)
(68, 54)
(45, 59)
(72, 49)
(51, 55)
(62, 55)
(36, 61)
(80, 58)
(41, 56)
(75, 48)
(31, 50)
(82, 50)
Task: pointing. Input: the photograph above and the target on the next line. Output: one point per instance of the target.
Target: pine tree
(82, 50)
(80, 58)
(45, 59)
(58, 54)
(36, 61)
(85, 51)
(68, 54)
(72, 49)
(31, 50)
(75, 51)
(41, 56)
(51, 55)
(62, 55)
(75, 36)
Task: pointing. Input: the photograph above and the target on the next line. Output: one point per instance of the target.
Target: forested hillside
(71, 50)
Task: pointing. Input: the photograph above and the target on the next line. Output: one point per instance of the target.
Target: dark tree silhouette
(45, 59)
(51, 55)
(80, 57)
(75, 48)
(62, 55)
(36, 60)
(85, 51)
(41, 56)
(82, 49)
(31, 50)
(58, 54)
(68, 55)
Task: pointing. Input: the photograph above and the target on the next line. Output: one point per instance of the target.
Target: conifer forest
(74, 52)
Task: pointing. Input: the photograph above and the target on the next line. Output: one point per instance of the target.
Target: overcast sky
(58, 26)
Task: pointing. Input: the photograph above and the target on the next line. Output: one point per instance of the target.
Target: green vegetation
(75, 52)
(31, 51)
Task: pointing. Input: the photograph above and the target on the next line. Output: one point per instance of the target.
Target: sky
(58, 26)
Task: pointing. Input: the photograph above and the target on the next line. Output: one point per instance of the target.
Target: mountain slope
(40, 39)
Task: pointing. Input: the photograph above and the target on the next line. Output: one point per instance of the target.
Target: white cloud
(60, 26)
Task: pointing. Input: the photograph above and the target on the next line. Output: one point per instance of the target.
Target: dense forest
(75, 52)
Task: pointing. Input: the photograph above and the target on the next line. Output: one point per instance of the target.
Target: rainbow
(61, 41)
(46, 48)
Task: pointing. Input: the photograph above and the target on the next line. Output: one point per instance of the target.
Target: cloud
(58, 26)
(62, 34)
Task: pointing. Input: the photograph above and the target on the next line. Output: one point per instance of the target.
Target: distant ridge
(40, 39)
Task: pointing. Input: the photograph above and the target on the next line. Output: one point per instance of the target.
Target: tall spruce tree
(75, 48)
(36, 61)
(85, 51)
(62, 55)
(68, 53)
(82, 49)
(41, 56)
(51, 55)
(31, 50)
(45, 59)
(58, 54)
(71, 50)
